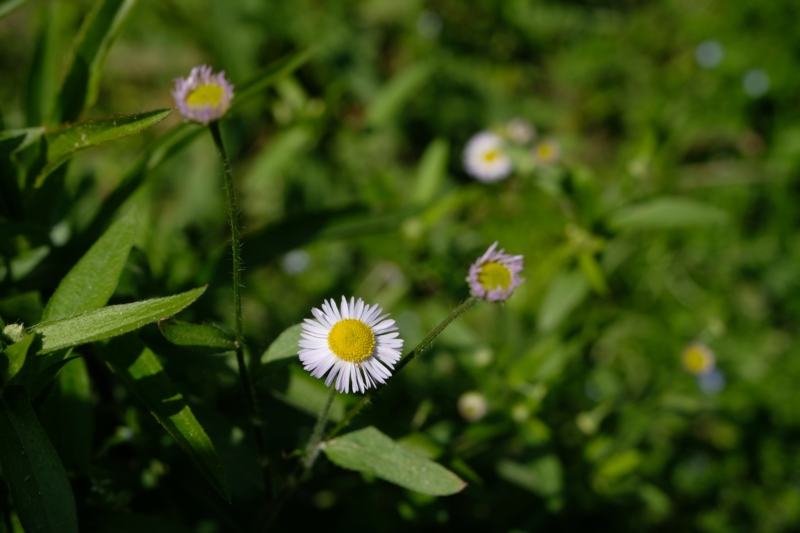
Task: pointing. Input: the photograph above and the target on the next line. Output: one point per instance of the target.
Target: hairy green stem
(312, 450)
(454, 314)
(236, 246)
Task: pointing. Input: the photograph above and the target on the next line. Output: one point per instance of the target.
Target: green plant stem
(454, 314)
(236, 246)
(312, 450)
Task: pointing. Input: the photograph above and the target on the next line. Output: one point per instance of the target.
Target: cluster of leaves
(670, 220)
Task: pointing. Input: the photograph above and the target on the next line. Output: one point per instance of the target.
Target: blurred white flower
(472, 406)
(520, 131)
(546, 152)
(485, 159)
(698, 358)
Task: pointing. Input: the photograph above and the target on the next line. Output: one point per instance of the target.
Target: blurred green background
(669, 219)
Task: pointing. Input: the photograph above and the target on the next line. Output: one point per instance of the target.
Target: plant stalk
(236, 246)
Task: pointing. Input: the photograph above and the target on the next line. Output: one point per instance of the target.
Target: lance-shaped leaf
(92, 281)
(272, 73)
(284, 346)
(36, 478)
(66, 141)
(196, 337)
(665, 213)
(110, 321)
(9, 6)
(98, 32)
(431, 172)
(370, 451)
(142, 372)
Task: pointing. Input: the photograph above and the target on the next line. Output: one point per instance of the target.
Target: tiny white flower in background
(495, 275)
(484, 158)
(546, 152)
(472, 406)
(520, 131)
(203, 97)
(354, 344)
(698, 358)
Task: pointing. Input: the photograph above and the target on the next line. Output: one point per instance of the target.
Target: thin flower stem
(236, 246)
(457, 312)
(312, 450)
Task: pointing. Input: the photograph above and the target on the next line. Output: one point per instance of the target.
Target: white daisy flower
(485, 159)
(353, 344)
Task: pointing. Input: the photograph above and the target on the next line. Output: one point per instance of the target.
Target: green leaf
(13, 358)
(36, 479)
(329, 225)
(92, 281)
(65, 142)
(206, 339)
(543, 476)
(67, 416)
(397, 93)
(267, 77)
(284, 346)
(41, 85)
(142, 372)
(9, 6)
(665, 213)
(565, 293)
(294, 386)
(98, 32)
(12, 141)
(593, 272)
(432, 171)
(370, 451)
(110, 321)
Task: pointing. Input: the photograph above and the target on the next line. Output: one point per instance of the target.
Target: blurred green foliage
(667, 220)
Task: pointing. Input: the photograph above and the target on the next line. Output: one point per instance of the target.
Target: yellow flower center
(351, 340)
(545, 151)
(492, 155)
(697, 360)
(206, 95)
(493, 275)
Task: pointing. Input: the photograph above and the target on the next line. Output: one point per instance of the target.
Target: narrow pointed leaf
(65, 142)
(92, 281)
(41, 85)
(432, 171)
(196, 337)
(9, 6)
(98, 32)
(110, 321)
(370, 451)
(272, 73)
(67, 416)
(142, 372)
(665, 213)
(36, 479)
(284, 346)
(565, 293)
(400, 89)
